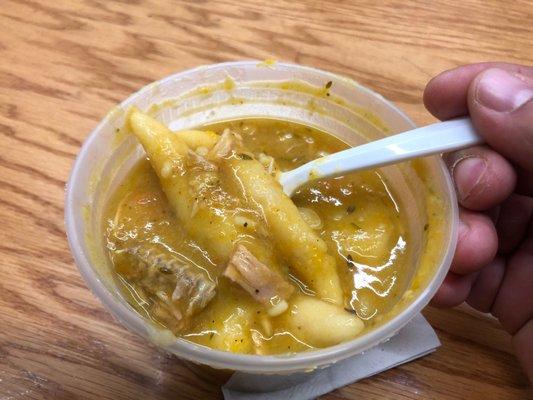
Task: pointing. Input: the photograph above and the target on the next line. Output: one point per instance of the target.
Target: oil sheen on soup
(203, 241)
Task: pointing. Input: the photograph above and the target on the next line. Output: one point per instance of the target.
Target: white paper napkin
(415, 340)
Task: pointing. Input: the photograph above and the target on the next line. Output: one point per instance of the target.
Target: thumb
(501, 107)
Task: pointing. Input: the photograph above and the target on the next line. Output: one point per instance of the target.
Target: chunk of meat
(199, 162)
(256, 278)
(192, 289)
(227, 142)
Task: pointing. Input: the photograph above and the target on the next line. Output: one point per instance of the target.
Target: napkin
(415, 340)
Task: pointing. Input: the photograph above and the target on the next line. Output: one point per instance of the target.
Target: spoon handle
(431, 139)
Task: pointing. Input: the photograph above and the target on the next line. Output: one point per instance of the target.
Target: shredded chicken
(192, 290)
(256, 278)
(268, 162)
(228, 141)
(196, 160)
(223, 147)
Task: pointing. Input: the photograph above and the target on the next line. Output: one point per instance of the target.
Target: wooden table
(64, 64)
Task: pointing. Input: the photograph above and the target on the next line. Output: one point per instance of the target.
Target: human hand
(492, 269)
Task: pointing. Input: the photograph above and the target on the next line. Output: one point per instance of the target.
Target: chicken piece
(199, 162)
(192, 290)
(263, 284)
(223, 146)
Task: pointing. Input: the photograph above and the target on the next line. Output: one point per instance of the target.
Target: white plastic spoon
(431, 139)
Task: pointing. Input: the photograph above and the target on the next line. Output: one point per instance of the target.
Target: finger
(453, 291)
(477, 243)
(501, 107)
(513, 220)
(485, 288)
(514, 304)
(445, 95)
(524, 184)
(482, 177)
(493, 213)
(522, 342)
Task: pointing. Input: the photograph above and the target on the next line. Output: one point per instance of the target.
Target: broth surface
(356, 216)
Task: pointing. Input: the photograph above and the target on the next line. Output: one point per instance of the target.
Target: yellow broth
(356, 215)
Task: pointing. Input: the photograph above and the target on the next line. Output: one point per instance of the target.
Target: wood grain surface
(65, 64)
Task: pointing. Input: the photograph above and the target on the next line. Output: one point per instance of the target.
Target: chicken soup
(204, 242)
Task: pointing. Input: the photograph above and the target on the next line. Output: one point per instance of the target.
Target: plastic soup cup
(234, 90)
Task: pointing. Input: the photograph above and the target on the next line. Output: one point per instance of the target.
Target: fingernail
(467, 174)
(501, 91)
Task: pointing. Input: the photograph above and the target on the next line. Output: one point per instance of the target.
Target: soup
(204, 243)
